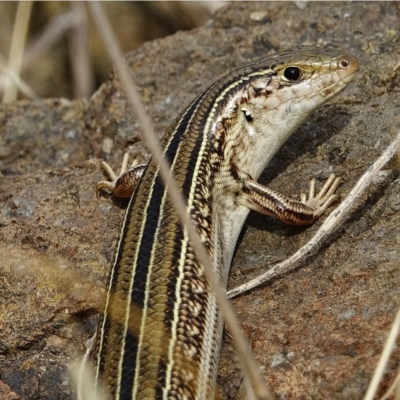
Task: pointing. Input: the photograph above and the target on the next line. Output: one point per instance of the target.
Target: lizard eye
(292, 74)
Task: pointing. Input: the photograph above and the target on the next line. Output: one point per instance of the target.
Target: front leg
(266, 201)
(124, 184)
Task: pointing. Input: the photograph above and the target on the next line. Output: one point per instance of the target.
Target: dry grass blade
(397, 393)
(80, 54)
(82, 374)
(22, 85)
(394, 388)
(51, 33)
(380, 369)
(329, 225)
(249, 366)
(17, 47)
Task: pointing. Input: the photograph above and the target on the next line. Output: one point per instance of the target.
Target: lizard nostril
(349, 63)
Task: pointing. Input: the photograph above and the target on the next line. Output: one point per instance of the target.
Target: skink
(159, 336)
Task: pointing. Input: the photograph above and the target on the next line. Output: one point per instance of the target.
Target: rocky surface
(317, 332)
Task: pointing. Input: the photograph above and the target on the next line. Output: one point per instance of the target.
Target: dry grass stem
(380, 368)
(17, 48)
(22, 85)
(51, 33)
(330, 224)
(394, 388)
(80, 55)
(250, 369)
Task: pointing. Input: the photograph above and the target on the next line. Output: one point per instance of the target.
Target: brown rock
(317, 332)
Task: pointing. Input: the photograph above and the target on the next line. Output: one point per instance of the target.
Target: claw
(123, 184)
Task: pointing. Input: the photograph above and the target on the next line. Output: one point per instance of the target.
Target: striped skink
(160, 334)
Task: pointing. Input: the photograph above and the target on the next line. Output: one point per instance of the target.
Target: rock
(58, 240)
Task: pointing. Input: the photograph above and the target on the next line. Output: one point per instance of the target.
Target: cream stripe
(129, 299)
(108, 296)
(178, 301)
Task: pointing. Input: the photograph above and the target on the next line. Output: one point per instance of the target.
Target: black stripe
(128, 366)
(162, 368)
(145, 247)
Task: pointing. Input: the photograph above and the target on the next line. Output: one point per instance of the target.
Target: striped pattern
(160, 334)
